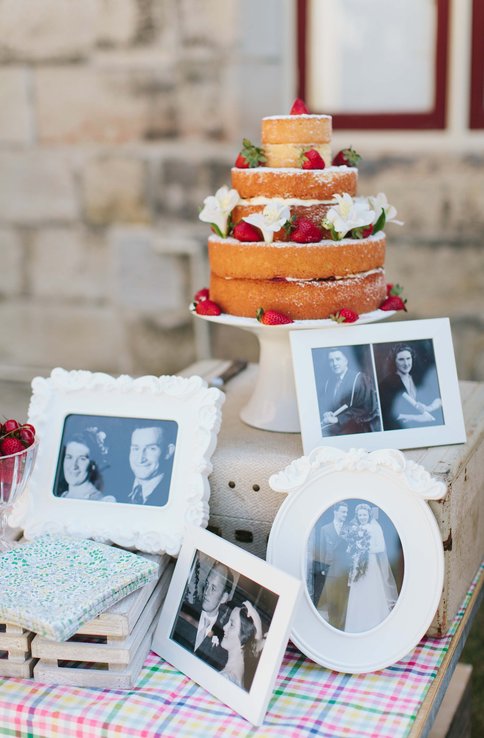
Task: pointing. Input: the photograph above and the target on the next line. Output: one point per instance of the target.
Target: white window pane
(371, 56)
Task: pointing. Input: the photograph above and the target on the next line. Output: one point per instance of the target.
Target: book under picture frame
(356, 528)
(376, 386)
(123, 460)
(254, 603)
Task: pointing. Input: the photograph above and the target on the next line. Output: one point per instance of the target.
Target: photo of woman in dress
(83, 461)
(408, 385)
(355, 566)
(372, 588)
(243, 640)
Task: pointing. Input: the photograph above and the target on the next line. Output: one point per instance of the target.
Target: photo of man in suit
(199, 626)
(331, 568)
(147, 455)
(347, 398)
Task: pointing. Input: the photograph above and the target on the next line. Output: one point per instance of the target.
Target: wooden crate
(109, 651)
(15, 651)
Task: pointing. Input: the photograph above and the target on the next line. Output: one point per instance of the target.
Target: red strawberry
(304, 230)
(250, 156)
(11, 445)
(394, 289)
(201, 295)
(299, 107)
(240, 162)
(312, 159)
(362, 232)
(348, 157)
(207, 307)
(246, 232)
(394, 302)
(272, 317)
(345, 315)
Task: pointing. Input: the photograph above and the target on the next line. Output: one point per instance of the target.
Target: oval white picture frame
(398, 487)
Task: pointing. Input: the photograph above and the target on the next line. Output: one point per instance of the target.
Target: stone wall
(117, 117)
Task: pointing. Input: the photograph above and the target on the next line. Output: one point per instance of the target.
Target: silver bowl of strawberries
(18, 451)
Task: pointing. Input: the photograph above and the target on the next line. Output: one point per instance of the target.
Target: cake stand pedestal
(273, 404)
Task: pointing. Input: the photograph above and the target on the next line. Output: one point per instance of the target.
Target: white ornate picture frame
(266, 594)
(391, 385)
(121, 460)
(357, 530)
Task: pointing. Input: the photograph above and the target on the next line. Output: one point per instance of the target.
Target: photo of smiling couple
(223, 619)
(124, 460)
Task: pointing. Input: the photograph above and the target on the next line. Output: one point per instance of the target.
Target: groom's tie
(137, 495)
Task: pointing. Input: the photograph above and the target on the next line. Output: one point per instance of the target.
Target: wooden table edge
(436, 692)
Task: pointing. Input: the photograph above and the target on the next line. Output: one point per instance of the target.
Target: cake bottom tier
(299, 300)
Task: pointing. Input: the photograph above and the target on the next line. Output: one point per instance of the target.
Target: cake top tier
(296, 129)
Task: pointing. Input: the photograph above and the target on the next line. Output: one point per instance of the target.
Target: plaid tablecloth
(308, 701)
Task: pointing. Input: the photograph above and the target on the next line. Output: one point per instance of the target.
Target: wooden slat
(22, 669)
(109, 679)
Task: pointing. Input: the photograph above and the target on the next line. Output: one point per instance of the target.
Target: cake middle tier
(304, 184)
(230, 258)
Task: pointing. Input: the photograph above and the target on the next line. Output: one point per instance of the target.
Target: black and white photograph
(114, 459)
(378, 386)
(355, 566)
(226, 621)
(346, 390)
(224, 618)
(408, 384)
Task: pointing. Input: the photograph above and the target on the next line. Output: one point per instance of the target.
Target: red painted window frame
(476, 111)
(434, 119)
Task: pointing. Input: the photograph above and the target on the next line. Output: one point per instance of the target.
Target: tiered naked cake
(291, 235)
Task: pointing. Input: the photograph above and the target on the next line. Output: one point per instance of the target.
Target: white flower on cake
(217, 208)
(271, 219)
(380, 203)
(348, 214)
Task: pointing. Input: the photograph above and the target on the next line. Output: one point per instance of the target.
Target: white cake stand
(273, 404)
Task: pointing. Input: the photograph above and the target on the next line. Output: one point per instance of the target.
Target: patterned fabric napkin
(55, 584)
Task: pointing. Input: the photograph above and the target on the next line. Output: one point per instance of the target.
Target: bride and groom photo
(355, 569)
(223, 619)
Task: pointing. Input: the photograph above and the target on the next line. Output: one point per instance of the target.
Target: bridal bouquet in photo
(358, 539)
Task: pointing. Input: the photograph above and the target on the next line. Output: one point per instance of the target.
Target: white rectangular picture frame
(269, 636)
(122, 460)
(370, 407)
